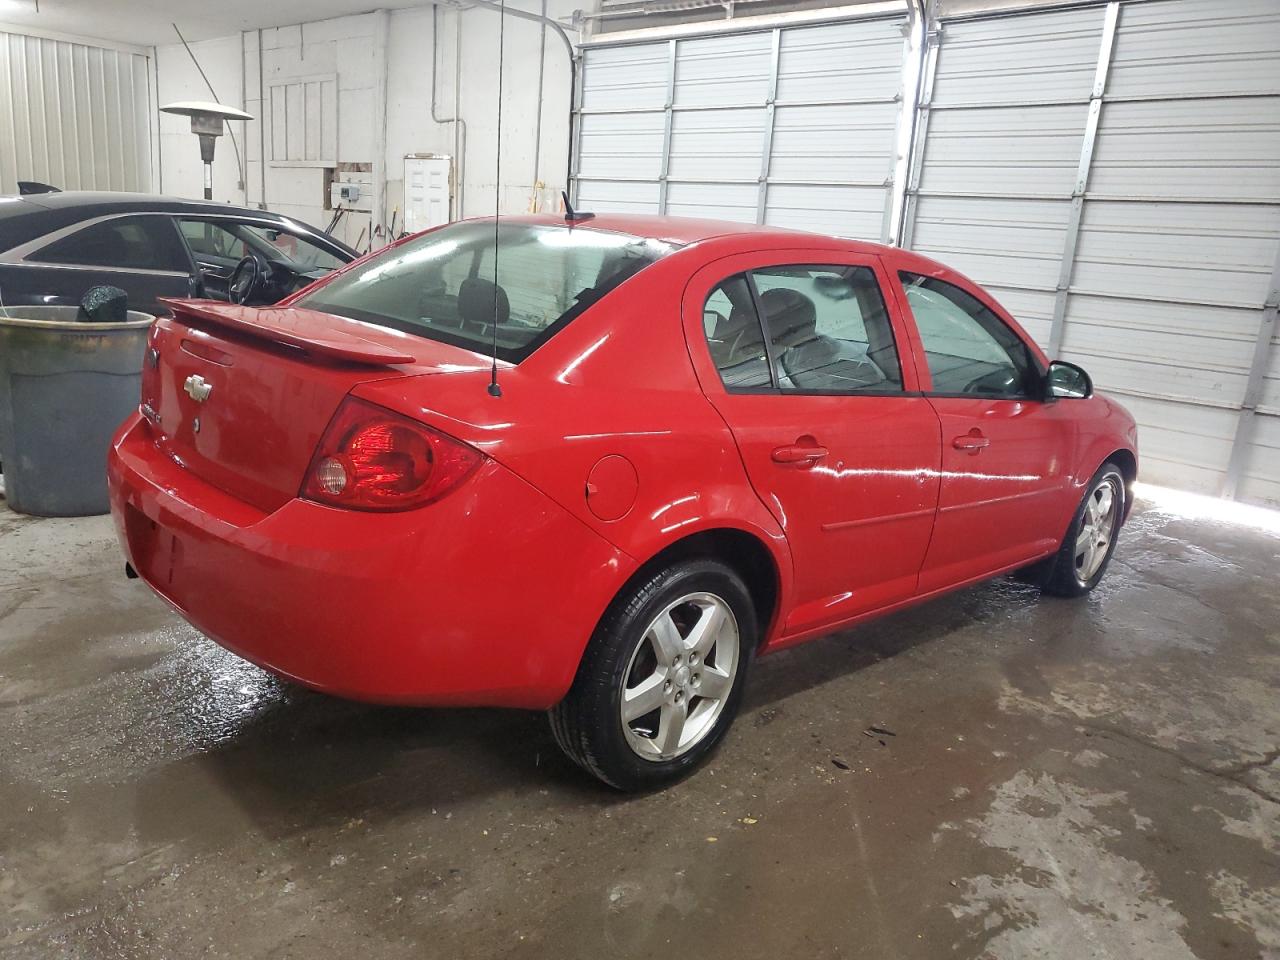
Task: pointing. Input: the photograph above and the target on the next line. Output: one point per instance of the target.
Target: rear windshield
(443, 285)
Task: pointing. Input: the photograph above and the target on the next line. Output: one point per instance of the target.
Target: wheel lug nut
(697, 678)
(666, 687)
(676, 661)
(679, 695)
(693, 658)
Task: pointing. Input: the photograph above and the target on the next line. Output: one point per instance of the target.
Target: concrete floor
(1061, 779)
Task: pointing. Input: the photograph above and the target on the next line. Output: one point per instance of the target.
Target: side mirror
(1066, 380)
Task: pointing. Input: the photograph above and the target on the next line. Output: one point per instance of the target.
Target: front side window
(969, 349)
(231, 241)
(829, 330)
(132, 243)
(443, 285)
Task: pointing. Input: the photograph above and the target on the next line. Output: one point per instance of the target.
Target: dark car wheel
(662, 678)
(1086, 550)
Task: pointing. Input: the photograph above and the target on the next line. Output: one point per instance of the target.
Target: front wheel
(662, 678)
(1086, 550)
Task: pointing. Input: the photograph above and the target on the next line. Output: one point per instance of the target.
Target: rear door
(1006, 481)
(798, 351)
(140, 253)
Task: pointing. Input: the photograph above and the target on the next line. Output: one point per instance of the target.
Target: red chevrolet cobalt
(600, 475)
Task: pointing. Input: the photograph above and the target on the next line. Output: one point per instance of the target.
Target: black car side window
(970, 350)
(734, 337)
(829, 331)
(129, 243)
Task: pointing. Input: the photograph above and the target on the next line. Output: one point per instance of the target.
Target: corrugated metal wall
(1112, 174)
(72, 115)
(793, 126)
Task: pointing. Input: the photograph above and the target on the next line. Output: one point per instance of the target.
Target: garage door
(794, 127)
(72, 115)
(1112, 173)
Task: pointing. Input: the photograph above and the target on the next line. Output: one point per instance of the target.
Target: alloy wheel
(1097, 528)
(680, 677)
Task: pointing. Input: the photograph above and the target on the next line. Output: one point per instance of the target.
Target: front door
(799, 354)
(1006, 483)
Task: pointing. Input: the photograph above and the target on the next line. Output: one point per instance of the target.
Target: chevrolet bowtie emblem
(197, 388)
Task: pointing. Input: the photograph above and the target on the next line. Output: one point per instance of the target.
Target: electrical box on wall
(427, 191)
(344, 194)
(349, 186)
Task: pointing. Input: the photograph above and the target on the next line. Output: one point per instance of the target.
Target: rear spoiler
(319, 334)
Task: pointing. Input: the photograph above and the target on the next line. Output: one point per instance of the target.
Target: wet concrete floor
(1049, 778)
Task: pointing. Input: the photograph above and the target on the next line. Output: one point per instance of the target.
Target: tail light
(373, 459)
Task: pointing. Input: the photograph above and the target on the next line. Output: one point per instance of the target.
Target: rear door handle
(803, 455)
(973, 441)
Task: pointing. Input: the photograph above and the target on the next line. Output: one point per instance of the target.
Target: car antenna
(494, 389)
(572, 216)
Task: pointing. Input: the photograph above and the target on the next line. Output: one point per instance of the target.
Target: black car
(56, 246)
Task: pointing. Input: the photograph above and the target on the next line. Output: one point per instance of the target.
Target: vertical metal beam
(1111, 21)
(575, 147)
(665, 168)
(766, 149)
(1253, 386)
(924, 100)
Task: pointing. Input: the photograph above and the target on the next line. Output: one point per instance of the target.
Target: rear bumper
(486, 597)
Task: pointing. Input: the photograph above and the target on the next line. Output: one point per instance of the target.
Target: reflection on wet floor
(993, 773)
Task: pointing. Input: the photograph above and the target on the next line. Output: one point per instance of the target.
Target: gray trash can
(64, 389)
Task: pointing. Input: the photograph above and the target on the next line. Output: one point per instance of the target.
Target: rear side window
(132, 243)
(969, 349)
(443, 284)
(828, 329)
(827, 326)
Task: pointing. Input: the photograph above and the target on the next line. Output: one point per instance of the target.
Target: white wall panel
(843, 142)
(714, 145)
(1029, 59)
(715, 201)
(1021, 151)
(624, 146)
(72, 115)
(720, 71)
(843, 61)
(821, 131)
(1177, 228)
(1217, 148)
(842, 211)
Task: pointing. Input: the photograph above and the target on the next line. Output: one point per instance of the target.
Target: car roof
(26, 217)
(682, 231)
(111, 201)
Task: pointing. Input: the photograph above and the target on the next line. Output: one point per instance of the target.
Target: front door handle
(972, 442)
(800, 453)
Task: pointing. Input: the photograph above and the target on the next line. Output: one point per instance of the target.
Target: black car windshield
(442, 284)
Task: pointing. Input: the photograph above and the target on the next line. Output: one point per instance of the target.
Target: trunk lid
(240, 396)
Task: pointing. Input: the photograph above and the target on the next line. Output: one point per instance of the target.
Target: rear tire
(1086, 550)
(662, 677)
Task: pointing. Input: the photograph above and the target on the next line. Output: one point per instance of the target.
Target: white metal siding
(1181, 231)
(72, 115)
(1006, 121)
(812, 110)
(1178, 222)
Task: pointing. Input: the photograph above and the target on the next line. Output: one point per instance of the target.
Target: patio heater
(208, 122)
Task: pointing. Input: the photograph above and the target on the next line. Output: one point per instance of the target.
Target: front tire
(1086, 550)
(662, 678)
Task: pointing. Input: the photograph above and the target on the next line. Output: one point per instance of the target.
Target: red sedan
(602, 474)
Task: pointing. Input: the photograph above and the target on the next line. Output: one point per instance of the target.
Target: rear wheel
(1086, 550)
(662, 678)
